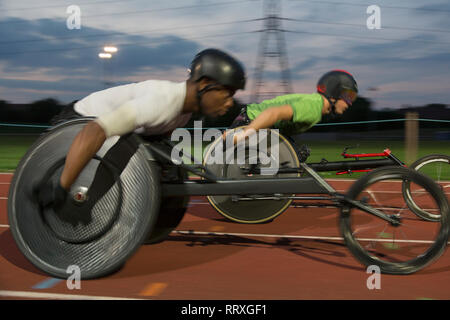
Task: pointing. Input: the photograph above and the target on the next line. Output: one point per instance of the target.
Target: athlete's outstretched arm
(91, 138)
(266, 119)
(85, 145)
(270, 116)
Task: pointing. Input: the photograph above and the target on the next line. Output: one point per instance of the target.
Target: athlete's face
(341, 106)
(348, 97)
(217, 101)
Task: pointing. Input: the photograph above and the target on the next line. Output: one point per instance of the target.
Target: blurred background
(53, 52)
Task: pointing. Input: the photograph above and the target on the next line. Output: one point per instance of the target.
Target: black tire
(106, 252)
(170, 215)
(396, 256)
(253, 211)
(440, 176)
(171, 212)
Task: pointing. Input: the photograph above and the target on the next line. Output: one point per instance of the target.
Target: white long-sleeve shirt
(147, 107)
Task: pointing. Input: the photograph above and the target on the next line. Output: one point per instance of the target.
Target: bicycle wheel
(414, 242)
(437, 167)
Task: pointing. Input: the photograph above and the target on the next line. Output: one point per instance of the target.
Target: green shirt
(307, 110)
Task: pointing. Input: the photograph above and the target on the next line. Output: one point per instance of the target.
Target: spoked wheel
(437, 167)
(230, 164)
(397, 248)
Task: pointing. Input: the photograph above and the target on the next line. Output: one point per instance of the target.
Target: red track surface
(247, 266)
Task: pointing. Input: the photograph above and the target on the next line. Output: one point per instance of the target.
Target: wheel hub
(396, 220)
(80, 196)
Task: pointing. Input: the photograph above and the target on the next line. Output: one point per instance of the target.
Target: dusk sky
(406, 62)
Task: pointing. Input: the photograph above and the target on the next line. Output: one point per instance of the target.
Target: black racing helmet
(220, 66)
(338, 84)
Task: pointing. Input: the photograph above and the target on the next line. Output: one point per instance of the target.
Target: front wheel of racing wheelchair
(406, 242)
(435, 166)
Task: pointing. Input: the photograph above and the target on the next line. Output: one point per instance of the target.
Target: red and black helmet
(338, 84)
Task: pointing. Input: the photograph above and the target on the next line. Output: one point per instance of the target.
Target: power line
(124, 44)
(121, 33)
(366, 5)
(127, 34)
(167, 9)
(360, 25)
(149, 10)
(226, 34)
(310, 1)
(64, 6)
(365, 37)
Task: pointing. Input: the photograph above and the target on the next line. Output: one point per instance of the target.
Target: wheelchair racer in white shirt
(150, 107)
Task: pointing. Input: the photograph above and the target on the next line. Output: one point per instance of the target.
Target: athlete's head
(339, 87)
(218, 76)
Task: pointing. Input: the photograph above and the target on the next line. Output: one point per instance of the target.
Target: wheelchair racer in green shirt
(296, 113)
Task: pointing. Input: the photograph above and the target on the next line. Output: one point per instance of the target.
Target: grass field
(12, 149)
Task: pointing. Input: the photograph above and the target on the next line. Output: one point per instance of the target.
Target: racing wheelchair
(117, 205)
(437, 166)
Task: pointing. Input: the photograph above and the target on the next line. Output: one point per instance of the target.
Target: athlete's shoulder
(301, 99)
(158, 89)
(304, 96)
(159, 83)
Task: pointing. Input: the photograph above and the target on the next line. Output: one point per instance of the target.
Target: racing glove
(50, 194)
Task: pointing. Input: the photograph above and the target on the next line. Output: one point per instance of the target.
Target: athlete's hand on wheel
(50, 194)
(238, 134)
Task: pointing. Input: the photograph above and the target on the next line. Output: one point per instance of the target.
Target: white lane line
(388, 181)
(210, 233)
(300, 206)
(294, 236)
(331, 207)
(57, 296)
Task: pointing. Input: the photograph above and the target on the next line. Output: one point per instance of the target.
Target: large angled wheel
(409, 244)
(229, 165)
(111, 209)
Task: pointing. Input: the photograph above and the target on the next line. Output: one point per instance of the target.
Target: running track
(297, 256)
